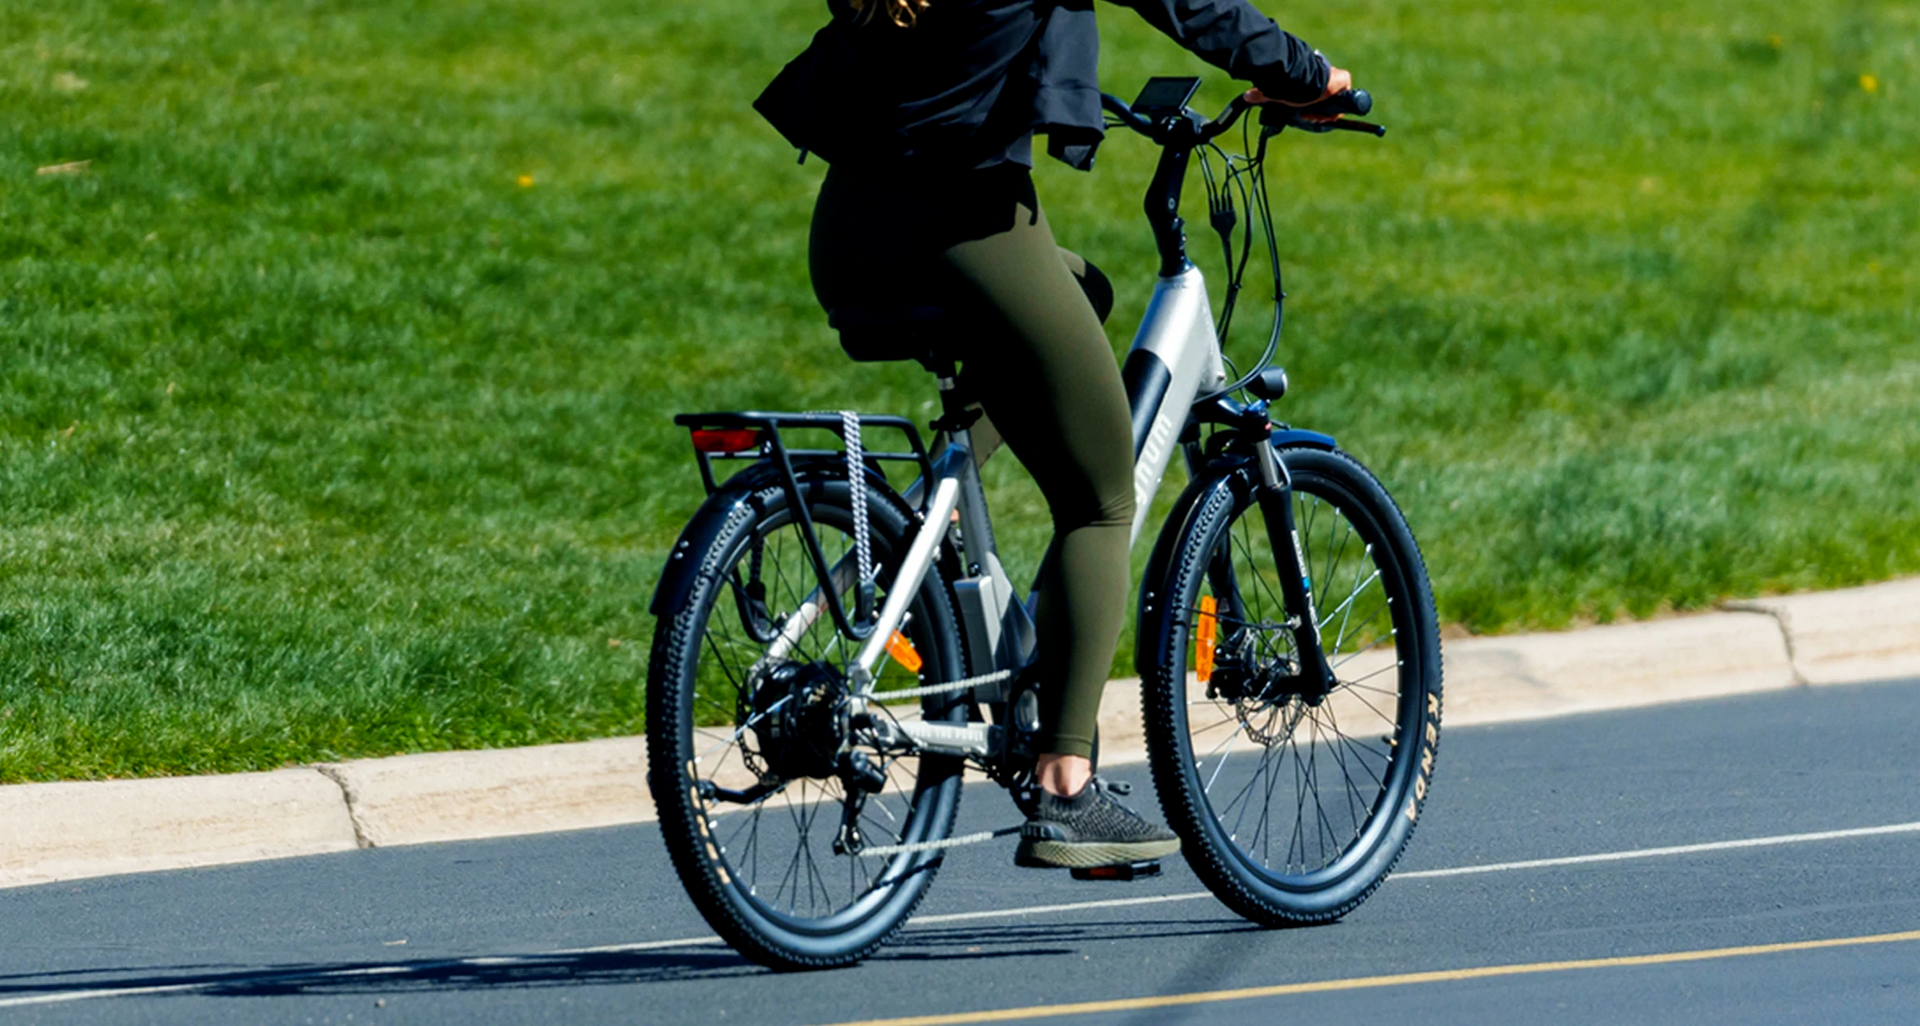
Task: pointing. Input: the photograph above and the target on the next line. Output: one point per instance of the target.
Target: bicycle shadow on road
(1060, 938)
(441, 975)
(693, 963)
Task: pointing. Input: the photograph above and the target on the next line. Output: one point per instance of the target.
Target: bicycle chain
(940, 689)
(952, 842)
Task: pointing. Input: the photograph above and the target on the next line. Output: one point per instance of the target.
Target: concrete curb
(75, 830)
(1857, 634)
(452, 796)
(72, 830)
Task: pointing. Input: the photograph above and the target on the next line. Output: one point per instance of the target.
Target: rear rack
(771, 446)
(767, 445)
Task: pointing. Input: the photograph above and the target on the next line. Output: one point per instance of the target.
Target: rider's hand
(1339, 80)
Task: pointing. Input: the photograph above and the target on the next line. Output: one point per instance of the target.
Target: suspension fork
(1274, 492)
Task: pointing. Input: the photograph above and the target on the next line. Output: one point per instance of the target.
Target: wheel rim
(1303, 792)
(777, 853)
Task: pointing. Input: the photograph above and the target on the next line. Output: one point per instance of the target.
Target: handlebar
(1118, 108)
(1273, 116)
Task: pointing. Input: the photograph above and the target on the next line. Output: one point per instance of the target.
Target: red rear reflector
(725, 439)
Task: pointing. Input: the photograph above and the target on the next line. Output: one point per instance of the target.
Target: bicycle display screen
(1165, 95)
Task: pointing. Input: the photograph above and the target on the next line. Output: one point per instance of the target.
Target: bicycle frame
(1175, 354)
(1173, 374)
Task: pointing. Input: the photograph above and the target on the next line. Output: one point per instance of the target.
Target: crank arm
(714, 792)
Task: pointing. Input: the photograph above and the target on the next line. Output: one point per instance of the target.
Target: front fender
(1298, 437)
(1201, 492)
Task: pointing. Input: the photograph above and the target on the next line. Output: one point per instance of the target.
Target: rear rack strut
(768, 446)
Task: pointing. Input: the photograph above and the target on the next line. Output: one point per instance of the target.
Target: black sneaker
(1089, 829)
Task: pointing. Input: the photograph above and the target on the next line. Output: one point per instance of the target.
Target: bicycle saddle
(873, 334)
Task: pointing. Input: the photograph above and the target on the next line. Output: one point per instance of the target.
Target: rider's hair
(901, 12)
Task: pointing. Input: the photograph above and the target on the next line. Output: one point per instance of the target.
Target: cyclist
(926, 111)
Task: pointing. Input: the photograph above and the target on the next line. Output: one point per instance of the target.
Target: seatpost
(956, 422)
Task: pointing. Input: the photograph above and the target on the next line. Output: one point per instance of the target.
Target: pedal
(1124, 871)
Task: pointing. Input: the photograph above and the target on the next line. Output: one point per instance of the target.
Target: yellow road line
(1365, 982)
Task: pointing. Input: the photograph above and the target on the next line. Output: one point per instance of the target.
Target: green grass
(321, 436)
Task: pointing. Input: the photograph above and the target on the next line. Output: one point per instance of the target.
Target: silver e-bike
(833, 653)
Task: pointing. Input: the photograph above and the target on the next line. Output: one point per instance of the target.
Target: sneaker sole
(1088, 854)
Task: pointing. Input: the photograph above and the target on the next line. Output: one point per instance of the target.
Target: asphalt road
(1823, 927)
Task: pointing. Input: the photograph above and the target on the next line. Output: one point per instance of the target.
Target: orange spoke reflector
(902, 652)
(725, 439)
(1203, 640)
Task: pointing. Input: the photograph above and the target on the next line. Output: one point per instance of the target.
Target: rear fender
(737, 496)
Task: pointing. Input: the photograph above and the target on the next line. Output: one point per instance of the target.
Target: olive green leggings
(977, 242)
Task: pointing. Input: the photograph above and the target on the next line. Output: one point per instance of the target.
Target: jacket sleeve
(1233, 36)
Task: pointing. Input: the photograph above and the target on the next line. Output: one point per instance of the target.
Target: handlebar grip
(1353, 101)
(1275, 116)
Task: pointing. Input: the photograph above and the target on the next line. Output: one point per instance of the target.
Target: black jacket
(974, 75)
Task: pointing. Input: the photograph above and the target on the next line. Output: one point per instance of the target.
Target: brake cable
(1250, 176)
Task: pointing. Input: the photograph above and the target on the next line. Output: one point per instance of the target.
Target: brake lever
(1348, 125)
(1323, 127)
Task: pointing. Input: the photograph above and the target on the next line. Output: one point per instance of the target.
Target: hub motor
(802, 736)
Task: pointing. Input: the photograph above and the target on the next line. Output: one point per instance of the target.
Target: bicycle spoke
(1346, 775)
(1229, 742)
(1357, 652)
(1345, 609)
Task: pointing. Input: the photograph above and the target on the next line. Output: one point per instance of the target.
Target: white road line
(960, 917)
(84, 995)
(1492, 867)
(620, 949)
(180, 988)
(1654, 853)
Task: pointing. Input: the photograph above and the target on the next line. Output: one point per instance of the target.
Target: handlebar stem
(1180, 134)
(1163, 209)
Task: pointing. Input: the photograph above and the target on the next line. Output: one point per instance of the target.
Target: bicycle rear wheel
(756, 766)
(1293, 808)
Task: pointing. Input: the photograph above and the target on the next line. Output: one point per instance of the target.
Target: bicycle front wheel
(1293, 807)
(771, 794)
